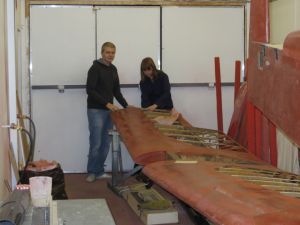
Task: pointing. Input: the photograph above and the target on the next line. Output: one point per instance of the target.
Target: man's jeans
(99, 125)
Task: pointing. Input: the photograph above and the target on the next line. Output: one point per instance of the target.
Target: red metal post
(265, 146)
(246, 69)
(250, 127)
(218, 94)
(273, 143)
(237, 80)
(258, 132)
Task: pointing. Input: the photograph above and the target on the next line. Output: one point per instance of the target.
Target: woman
(155, 87)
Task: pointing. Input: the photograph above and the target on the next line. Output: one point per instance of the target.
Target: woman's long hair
(146, 64)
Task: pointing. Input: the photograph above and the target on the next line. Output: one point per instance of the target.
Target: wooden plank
(135, 3)
(140, 2)
(139, 198)
(25, 144)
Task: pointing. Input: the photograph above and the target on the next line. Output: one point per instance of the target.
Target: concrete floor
(78, 188)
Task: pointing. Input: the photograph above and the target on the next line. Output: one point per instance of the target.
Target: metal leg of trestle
(117, 166)
(130, 173)
(118, 177)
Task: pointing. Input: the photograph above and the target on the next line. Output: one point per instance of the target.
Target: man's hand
(151, 107)
(112, 107)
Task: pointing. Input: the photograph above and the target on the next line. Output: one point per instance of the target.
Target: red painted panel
(274, 85)
(274, 75)
(259, 21)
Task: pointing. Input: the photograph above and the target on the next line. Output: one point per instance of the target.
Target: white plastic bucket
(40, 190)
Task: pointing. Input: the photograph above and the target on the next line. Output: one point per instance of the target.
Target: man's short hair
(107, 45)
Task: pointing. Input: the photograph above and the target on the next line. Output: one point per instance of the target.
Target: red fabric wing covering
(146, 144)
(219, 196)
(237, 127)
(224, 199)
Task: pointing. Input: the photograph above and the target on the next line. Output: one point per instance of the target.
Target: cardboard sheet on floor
(139, 200)
(77, 212)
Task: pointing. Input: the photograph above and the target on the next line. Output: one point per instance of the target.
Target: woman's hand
(151, 107)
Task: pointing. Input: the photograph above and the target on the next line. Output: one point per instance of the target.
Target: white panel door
(193, 36)
(62, 48)
(62, 129)
(62, 41)
(136, 34)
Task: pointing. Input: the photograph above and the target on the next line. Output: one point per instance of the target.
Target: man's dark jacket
(103, 85)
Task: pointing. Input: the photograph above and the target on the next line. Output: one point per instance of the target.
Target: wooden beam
(140, 2)
(25, 144)
(136, 3)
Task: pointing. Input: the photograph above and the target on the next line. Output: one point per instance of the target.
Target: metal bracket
(95, 8)
(61, 88)
(276, 54)
(261, 56)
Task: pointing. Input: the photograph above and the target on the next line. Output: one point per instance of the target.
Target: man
(102, 86)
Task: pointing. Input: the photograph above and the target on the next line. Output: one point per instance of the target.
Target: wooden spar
(267, 179)
(204, 141)
(208, 158)
(259, 172)
(200, 136)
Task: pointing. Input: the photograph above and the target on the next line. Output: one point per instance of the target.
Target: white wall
(284, 18)
(193, 36)
(297, 13)
(11, 71)
(62, 130)
(4, 133)
(247, 23)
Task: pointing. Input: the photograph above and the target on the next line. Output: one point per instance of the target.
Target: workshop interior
(149, 112)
